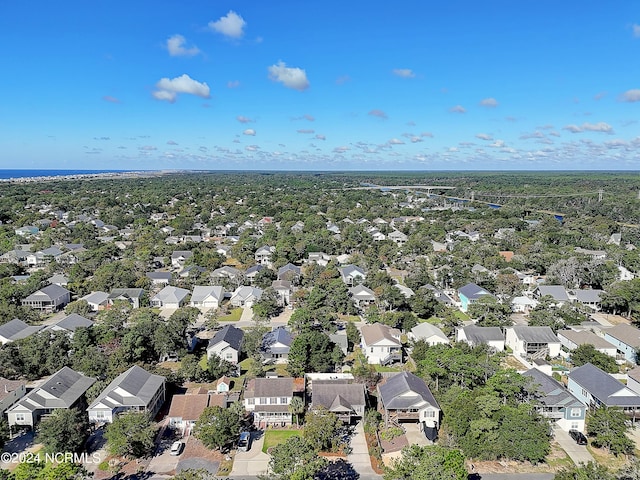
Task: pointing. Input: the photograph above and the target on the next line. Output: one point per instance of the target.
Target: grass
(382, 369)
(276, 437)
(234, 316)
(225, 468)
(349, 318)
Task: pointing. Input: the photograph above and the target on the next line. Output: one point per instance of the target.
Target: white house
(362, 296)
(245, 296)
(170, 297)
(381, 344)
(16, 329)
(352, 274)
(429, 333)
(475, 335)
(572, 339)
(269, 399)
(533, 342)
(208, 296)
(226, 344)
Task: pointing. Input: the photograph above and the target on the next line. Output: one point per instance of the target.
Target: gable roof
(362, 292)
(135, 387)
(473, 291)
(483, 335)
(73, 322)
(16, 329)
(556, 291)
(97, 298)
(270, 387)
(188, 407)
(289, 267)
(553, 393)
(626, 334)
(171, 294)
(377, 332)
(337, 396)
(585, 337)
(351, 271)
(231, 335)
(603, 386)
(126, 293)
(61, 390)
(201, 293)
(426, 330)
(50, 292)
(278, 335)
(588, 296)
(535, 334)
(405, 390)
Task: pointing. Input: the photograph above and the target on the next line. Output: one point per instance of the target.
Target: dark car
(578, 437)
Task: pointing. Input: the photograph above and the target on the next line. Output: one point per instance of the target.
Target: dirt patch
(196, 449)
(394, 445)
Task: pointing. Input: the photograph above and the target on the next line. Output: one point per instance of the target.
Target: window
(283, 400)
(575, 412)
(19, 417)
(574, 426)
(252, 401)
(100, 414)
(430, 413)
(229, 355)
(273, 401)
(263, 401)
(585, 393)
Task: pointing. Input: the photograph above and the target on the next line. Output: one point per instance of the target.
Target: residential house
(572, 339)
(269, 399)
(170, 297)
(252, 272)
(532, 342)
(523, 304)
(191, 271)
(70, 324)
(298, 227)
(633, 380)
(226, 344)
(275, 345)
(431, 334)
(556, 402)
(625, 338)
(405, 291)
(264, 254)
(341, 340)
(557, 292)
(10, 392)
(441, 296)
(179, 257)
(283, 291)
(226, 272)
(207, 296)
(245, 296)
(398, 237)
(96, 300)
(405, 397)
(471, 293)
(591, 298)
(48, 299)
(341, 397)
(132, 295)
(27, 230)
(289, 272)
(159, 278)
(64, 389)
(185, 410)
(59, 279)
(475, 335)
(135, 390)
(16, 329)
(594, 388)
(362, 296)
(43, 257)
(320, 258)
(381, 344)
(352, 274)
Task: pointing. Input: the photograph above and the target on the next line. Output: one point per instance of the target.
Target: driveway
(163, 461)
(577, 453)
(254, 462)
(414, 435)
(359, 456)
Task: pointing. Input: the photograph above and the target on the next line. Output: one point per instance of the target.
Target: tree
(313, 352)
(194, 474)
(428, 463)
(320, 428)
(218, 367)
(4, 432)
(130, 435)
(267, 306)
(296, 407)
(489, 312)
(65, 430)
(81, 307)
(608, 427)
(588, 354)
(353, 335)
(218, 427)
(589, 471)
(295, 459)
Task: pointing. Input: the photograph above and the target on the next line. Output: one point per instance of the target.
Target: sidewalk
(359, 456)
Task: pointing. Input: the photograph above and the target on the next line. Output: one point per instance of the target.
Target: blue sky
(309, 85)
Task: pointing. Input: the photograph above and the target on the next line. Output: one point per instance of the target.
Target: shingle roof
(376, 332)
(277, 335)
(585, 338)
(188, 407)
(588, 296)
(61, 390)
(73, 322)
(426, 330)
(473, 291)
(603, 386)
(16, 329)
(535, 334)
(553, 393)
(625, 333)
(336, 396)
(556, 291)
(270, 387)
(231, 335)
(50, 291)
(135, 387)
(405, 390)
(171, 294)
(126, 292)
(483, 335)
(9, 386)
(201, 293)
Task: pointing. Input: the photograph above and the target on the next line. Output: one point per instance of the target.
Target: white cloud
(598, 127)
(169, 88)
(599, 95)
(290, 77)
(426, 134)
(249, 131)
(232, 25)
(416, 139)
(458, 109)
(396, 141)
(403, 72)
(489, 102)
(171, 142)
(497, 144)
(572, 128)
(233, 83)
(378, 113)
(306, 130)
(243, 119)
(176, 47)
(341, 149)
(636, 30)
(484, 136)
(306, 116)
(631, 96)
(320, 137)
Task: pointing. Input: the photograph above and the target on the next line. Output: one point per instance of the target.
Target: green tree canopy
(130, 435)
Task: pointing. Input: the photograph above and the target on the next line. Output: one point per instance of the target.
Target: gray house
(131, 295)
(71, 323)
(15, 330)
(134, 390)
(226, 344)
(10, 392)
(275, 345)
(48, 299)
(344, 399)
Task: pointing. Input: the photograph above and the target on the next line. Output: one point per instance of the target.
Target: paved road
(577, 453)
(516, 476)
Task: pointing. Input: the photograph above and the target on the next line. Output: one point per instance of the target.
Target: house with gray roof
(227, 272)
(362, 296)
(135, 390)
(556, 402)
(207, 296)
(532, 342)
(16, 329)
(251, 272)
(179, 257)
(572, 339)
(159, 278)
(405, 397)
(381, 344)
(64, 389)
(59, 279)
(471, 293)
(132, 295)
(428, 332)
(48, 299)
(264, 254)
(290, 272)
(226, 344)
(70, 324)
(275, 345)
(626, 338)
(170, 297)
(475, 335)
(96, 300)
(557, 292)
(352, 274)
(341, 397)
(594, 388)
(10, 392)
(245, 296)
(591, 298)
(269, 399)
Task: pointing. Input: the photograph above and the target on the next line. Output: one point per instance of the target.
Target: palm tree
(296, 407)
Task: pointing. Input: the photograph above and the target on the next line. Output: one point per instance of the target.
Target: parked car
(578, 437)
(176, 448)
(244, 443)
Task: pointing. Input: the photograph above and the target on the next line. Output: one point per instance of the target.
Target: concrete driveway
(254, 462)
(359, 456)
(414, 435)
(577, 453)
(163, 461)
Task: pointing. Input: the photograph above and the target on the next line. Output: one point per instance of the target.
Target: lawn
(382, 369)
(234, 316)
(276, 437)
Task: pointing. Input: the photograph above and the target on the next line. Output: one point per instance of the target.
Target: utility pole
(600, 193)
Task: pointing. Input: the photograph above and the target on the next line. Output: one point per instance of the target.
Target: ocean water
(5, 174)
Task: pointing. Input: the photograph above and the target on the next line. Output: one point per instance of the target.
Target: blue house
(469, 294)
(625, 338)
(556, 403)
(594, 388)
